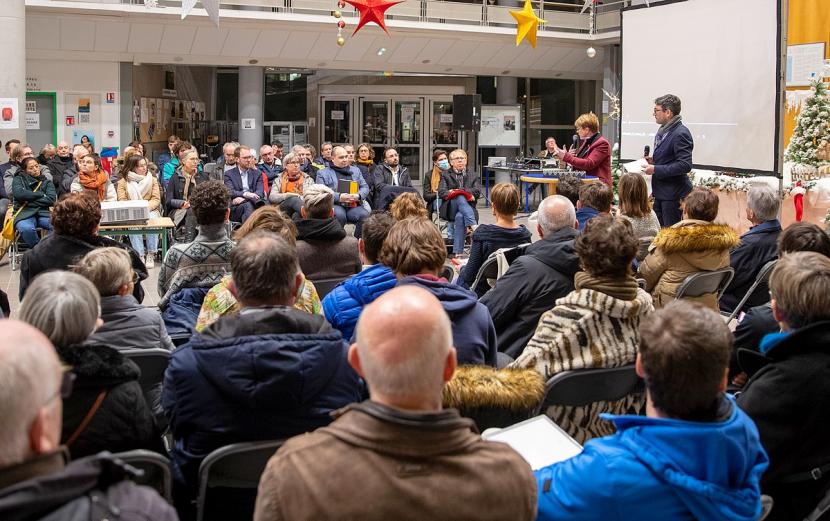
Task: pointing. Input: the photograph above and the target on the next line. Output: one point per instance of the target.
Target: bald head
(556, 212)
(30, 375)
(63, 149)
(407, 369)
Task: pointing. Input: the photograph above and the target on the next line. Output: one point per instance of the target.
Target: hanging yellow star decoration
(527, 22)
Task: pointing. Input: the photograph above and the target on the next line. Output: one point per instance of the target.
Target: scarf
(138, 186)
(435, 180)
(188, 178)
(664, 130)
(367, 162)
(583, 150)
(623, 289)
(292, 186)
(97, 181)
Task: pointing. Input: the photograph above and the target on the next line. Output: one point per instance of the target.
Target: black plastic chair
(152, 362)
(155, 470)
(324, 286)
(490, 269)
(229, 477)
(705, 282)
(586, 386)
(758, 287)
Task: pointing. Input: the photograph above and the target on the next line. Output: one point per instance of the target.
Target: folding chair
(238, 468)
(757, 286)
(324, 286)
(585, 386)
(152, 362)
(155, 469)
(705, 282)
(490, 269)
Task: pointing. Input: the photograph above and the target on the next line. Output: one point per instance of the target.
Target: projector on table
(125, 212)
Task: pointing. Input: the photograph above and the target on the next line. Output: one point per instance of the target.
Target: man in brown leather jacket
(398, 455)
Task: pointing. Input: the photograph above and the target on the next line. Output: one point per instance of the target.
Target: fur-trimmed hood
(693, 235)
(98, 366)
(478, 386)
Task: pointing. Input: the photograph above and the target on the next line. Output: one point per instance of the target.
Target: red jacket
(597, 162)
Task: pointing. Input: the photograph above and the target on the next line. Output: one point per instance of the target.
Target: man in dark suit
(671, 162)
(245, 185)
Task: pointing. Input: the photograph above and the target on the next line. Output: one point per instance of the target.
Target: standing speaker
(466, 112)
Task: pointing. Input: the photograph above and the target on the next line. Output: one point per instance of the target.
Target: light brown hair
(596, 195)
(408, 204)
(76, 215)
(634, 196)
(607, 246)
(414, 246)
(505, 198)
(800, 286)
(588, 120)
(271, 219)
(701, 204)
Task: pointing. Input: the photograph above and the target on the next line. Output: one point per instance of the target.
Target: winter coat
(129, 325)
(330, 176)
(756, 323)
(10, 173)
(262, 374)
(595, 161)
(530, 287)
(342, 306)
(672, 163)
(47, 488)
(587, 329)
(270, 173)
(123, 421)
(37, 202)
(473, 334)
(174, 191)
(276, 197)
(789, 401)
(487, 239)
(153, 197)
(382, 177)
(324, 250)
(59, 166)
(449, 181)
(656, 469)
(59, 252)
(376, 462)
(681, 250)
(758, 246)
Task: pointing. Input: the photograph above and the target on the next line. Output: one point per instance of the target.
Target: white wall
(71, 80)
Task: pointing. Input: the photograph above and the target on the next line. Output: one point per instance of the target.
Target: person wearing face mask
(33, 194)
(432, 178)
(459, 190)
(348, 207)
(94, 180)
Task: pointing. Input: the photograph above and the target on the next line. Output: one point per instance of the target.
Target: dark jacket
(395, 464)
(473, 334)
(174, 190)
(593, 157)
(129, 325)
(449, 181)
(58, 252)
(233, 180)
(58, 166)
(757, 323)
(342, 306)
(789, 401)
(530, 287)
(672, 162)
(123, 421)
(261, 374)
(37, 202)
(324, 250)
(382, 177)
(47, 488)
(585, 214)
(486, 239)
(182, 312)
(758, 246)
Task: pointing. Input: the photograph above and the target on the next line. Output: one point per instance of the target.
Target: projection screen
(720, 57)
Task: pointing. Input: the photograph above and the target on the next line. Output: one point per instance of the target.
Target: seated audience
(47, 152)
(220, 300)
(269, 167)
(594, 199)
(758, 247)
(569, 186)
(537, 279)
(94, 180)
(179, 151)
(787, 397)
(228, 160)
(635, 207)
(459, 190)
(344, 303)
(18, 154)
(365, 161)
(165, 157)
(177, 195)
(244, 184)
(107, 410)
(202, 262)
(348, 206)
(387, 457)
(137, 184)
(36, 479)
(593, 154)
(594, 326)
(127, 324)
(60, 164)
(694, 244)
(415, 251)
(75, 219)
(695, 455)
(288, 188)
(504, 233)
(408, 204)
(324, 249)
(33, 195)
(269, 372)
(432, 178)
(389, 178)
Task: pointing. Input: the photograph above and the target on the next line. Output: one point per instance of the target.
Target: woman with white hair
(287, 190)
(107, 410)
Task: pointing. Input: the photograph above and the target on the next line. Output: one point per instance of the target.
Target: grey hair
(763, 201)
(287, 158)
(29, 369)
(556, 212)
(63, 305)
(107, 268)
(263, 267)
(669, 102)
(233, 144)
(296, 149)
(49, 147)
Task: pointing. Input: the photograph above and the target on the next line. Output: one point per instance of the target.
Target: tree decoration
(372, 11)
(528, 23)
(338, 15)
(614, 103)
(811, 130)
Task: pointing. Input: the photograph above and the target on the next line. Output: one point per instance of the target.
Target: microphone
(646, 151)
(575, 140)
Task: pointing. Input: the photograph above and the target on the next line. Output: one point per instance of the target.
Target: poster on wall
(8, 114)
(804, 63)
(32, 121)
(83, 105)
(83, 118)
(79, 135)
(500, 126)
(136, 111)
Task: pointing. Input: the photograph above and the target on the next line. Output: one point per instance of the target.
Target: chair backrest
(757, 287)
(586, 386)
(705, 282)
(153, 364)
(324, 286)
(490, 268)
(155, 469)
(237, 466)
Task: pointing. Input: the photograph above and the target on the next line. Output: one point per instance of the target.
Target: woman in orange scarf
(93, 179)
(288, 188)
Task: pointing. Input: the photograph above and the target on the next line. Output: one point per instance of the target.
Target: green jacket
(37, 202)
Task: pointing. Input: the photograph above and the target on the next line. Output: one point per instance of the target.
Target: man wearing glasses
(459, 189)
(245, 185)
(671, 162)
(36, 479)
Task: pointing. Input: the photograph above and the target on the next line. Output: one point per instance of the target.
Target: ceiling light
(591, 52)
(505, 73)
(381, 51)
(253, 62)
(425, 61)
(178, 59)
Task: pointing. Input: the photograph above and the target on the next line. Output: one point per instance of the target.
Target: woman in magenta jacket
(593, 155)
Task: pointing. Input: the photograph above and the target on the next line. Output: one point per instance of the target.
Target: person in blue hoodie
(415, 251)
(269, 372)
(343, 305)
(594, 199)
(694, 456)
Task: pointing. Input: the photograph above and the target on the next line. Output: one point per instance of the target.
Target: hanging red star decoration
(372, 11)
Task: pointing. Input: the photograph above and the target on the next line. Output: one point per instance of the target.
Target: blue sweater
(342, 306)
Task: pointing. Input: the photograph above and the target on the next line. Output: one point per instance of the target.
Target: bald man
(36, 479)
(59, 164)
(398, 455)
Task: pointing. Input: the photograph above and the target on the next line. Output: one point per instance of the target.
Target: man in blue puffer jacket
(696, 456)
(269, 372)
(343, 305)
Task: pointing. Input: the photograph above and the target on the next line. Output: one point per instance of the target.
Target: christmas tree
(812, 129)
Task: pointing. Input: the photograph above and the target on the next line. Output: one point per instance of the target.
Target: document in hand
(538, 440)
(345, 186)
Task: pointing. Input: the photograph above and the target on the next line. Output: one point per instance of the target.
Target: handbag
(8, 225)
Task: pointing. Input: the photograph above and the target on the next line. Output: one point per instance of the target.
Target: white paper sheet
(538, 440)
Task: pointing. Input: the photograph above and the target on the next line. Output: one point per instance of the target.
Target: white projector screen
(720, 57)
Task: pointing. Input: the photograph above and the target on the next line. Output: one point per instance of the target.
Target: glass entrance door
(408, 137)
(337, 119)
(375, 120)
